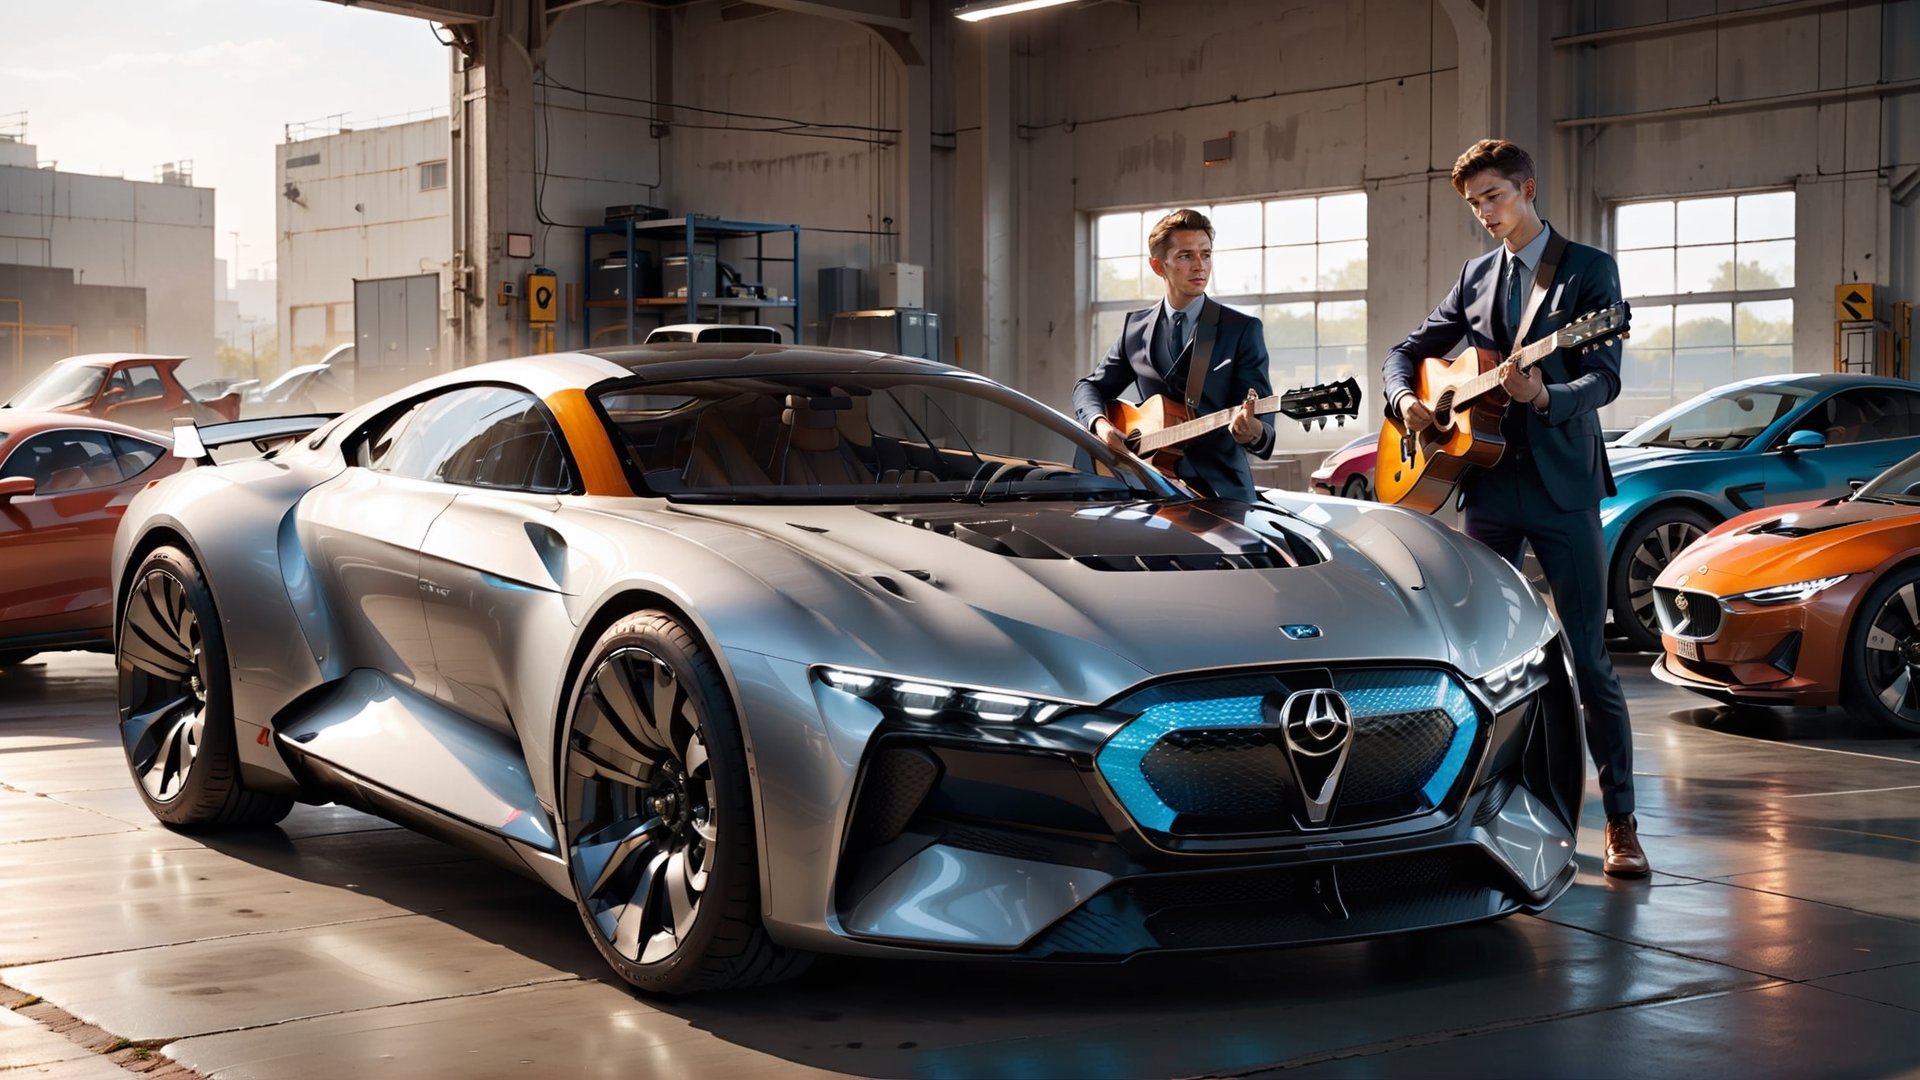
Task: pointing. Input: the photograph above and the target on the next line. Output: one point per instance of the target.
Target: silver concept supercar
(760, 651)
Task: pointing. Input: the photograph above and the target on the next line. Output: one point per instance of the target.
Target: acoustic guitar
(1156, 428)
(1420, 472)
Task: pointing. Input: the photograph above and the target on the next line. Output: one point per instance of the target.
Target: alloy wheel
(1656, 550)
(163, 670)
(1893, 653)
(642, 818)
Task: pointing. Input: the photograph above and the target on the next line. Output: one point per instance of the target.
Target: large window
(1711, 282)
(1299, 264)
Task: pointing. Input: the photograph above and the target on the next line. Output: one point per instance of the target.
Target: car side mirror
(1803, 440)
(113, 393)
(13, 487)
(1854, 486)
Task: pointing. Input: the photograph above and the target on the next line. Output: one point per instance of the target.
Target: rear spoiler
(196, 443)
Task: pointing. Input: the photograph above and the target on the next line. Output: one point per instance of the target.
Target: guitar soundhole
(1443, 412)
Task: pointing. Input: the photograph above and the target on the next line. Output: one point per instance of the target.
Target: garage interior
(1780, 931)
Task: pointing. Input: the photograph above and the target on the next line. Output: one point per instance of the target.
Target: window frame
(441, 164)
(1733, 298)
(1252, 304)
(401, 418)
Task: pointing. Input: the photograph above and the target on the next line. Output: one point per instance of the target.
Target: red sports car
(1349, 470)
(64, 482)
(133, 388)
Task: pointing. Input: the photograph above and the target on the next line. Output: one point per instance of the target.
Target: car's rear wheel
(1883, 652)
(1648, 546)
(176, 704)
(1357, 488)
(658, 818)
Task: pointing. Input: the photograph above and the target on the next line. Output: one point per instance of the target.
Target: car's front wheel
(176, 703)
(658, 818)
(1357, 488)
(1883, 653)
(1649, 545)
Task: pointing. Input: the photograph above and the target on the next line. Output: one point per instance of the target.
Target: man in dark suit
(1546, 488)
(1157, 354)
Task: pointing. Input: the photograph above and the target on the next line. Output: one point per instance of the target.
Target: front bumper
(1785, 654)
(1166, 821)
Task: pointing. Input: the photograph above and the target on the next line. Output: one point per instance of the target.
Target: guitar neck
(1179, 433)
(1527, 357)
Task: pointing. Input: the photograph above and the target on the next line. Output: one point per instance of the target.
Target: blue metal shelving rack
(688, 232)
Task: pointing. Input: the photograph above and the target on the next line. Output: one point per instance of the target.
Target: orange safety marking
(600, 470)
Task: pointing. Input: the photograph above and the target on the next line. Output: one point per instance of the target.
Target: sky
(118, 87)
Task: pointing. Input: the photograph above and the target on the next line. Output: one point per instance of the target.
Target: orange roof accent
(600, 471)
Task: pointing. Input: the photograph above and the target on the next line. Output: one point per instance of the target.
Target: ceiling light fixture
(988, 9)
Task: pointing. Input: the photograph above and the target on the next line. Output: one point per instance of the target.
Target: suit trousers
(1507, 505)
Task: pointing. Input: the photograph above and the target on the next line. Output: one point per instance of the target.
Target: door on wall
(396, 332)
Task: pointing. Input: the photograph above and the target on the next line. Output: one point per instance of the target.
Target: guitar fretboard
(1194, 428)
(1527, 357)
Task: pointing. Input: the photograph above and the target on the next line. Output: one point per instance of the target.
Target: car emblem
(1680, 602)
(1300, 631)
(1316, 728)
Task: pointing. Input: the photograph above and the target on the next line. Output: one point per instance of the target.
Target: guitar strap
(1542, 281)
(1200, 353)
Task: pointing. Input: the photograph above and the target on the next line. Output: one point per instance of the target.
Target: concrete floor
(1780, 935)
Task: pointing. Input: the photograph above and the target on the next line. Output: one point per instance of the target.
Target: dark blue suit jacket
(1566, 440)
(1236, 362)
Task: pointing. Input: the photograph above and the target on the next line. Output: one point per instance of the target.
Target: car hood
(1630, 459)
(1797, 543)
(1086, 600)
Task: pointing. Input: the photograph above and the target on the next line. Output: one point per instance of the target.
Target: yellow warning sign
(542, 302)
(1852, 303)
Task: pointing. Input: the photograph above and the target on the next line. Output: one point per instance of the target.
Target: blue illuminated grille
(1201, 757)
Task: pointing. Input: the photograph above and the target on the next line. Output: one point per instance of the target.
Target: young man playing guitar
(1546, 486)
(1157, 354)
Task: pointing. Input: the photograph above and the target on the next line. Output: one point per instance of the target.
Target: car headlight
(923, 699)
(1789, 594)
(1512, 682)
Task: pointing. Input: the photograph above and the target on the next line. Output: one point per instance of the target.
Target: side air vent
(1783, 527)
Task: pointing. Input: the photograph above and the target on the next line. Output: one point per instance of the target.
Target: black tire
(1645, 549)
(657, 816)
(1357, 487)
(18, 656)
(176, 702)
(1882, 680)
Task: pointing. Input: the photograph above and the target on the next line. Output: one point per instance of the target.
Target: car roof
(673, 360)
(1818, 380)
(107, 358)
(18, 422)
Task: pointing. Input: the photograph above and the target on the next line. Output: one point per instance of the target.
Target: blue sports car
(1758, 442)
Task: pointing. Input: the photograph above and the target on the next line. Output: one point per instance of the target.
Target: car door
(362, 532)
(56, 544)
(493, 570)
(1867, 429)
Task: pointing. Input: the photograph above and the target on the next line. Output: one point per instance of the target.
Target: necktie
(1514, 291)
(1179, 341)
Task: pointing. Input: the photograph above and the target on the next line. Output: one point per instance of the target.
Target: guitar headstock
(1309, 403)
(1609, 322)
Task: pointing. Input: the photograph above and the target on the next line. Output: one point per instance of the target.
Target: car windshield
(1725, 419)
(59, 387)
(862, 438)
(1899, 484)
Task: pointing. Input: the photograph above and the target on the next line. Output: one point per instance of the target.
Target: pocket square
(1556, 313)
(1223, 363)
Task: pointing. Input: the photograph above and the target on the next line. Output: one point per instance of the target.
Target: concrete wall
(624, 143)
(116, 232)
(359, 213)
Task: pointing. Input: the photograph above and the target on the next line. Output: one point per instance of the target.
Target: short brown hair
(1161, 238)
(1500, 155)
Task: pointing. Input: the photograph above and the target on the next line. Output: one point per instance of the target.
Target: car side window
(134, 456)
(141, 381)
(1868, 414)
(483, 437)
(69, 459)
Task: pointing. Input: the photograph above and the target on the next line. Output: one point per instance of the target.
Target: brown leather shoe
(1624, 857)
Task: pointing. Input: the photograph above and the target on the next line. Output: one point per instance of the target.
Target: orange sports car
(64, 482)
(1814, 603)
